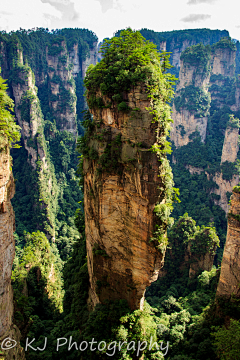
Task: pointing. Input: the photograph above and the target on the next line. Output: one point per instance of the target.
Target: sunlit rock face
(119, 203)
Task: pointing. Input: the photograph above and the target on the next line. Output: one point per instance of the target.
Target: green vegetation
(225, 43)
(223, 89)
(197, 189)
(129, 61)
(193, 99)
(9, 130)
(198, 56)
(180, 310)
(227, 341)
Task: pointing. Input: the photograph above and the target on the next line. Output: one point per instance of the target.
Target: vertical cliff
(192, 100)
(231, 142)
(177, 41)
(205, 109)
(126, 200)
(7, 227)
(62, 98)
(230, 269)
(7, 253)
(9, 132)
(30, 118)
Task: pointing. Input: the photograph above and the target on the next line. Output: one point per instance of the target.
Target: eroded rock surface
(7, 253)
(230, 269)
(119, 204)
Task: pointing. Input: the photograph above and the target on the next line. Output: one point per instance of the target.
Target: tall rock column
(230, 270)
(126, 200)
(7, 253)
(29, 117)
(9, 333)
(192, 100)
(7, 243)
(62, 100)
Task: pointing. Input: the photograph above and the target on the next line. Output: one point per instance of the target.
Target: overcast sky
(104, 17)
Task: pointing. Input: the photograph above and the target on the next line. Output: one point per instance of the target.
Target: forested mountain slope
(45, 72)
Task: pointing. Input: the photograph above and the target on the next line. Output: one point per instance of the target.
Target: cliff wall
(230, 145)
(29, 117)
(62, 98)
(7, 253)
(119, 202)
(192, 100)
(206, 96)
(230, 269)
(7, 227)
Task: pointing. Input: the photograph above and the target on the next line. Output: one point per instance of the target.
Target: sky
(105, 17)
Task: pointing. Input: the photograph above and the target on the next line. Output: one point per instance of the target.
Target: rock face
(186, 120)
(210, 79)
(62, 98)
(7, 243)
(119, 203)
(30, 118)
(90, 59)
(224, 187)
(186, 124)
(230, 146)
(7, 253)
(230, 270)
(204, 262)
(223, 62)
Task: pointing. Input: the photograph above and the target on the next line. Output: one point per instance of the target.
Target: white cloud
(195, 17)
(27, 14)
(105, 17)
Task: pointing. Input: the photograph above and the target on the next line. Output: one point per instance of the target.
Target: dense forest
(45, 72)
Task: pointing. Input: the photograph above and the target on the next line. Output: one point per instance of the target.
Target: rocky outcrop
(119, 200)
(201, 262)
(7, 253)
(223, 61)
(230, 269)
(221, 64)
(62, 100)
(214, 75)
(30, 118)
(91, 58)
(186, 124)
(224, 187)
(191, 93)
(7, 243)
(230, 146)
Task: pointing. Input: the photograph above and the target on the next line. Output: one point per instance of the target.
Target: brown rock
(119, 206)
(229, 282)
(7, 253)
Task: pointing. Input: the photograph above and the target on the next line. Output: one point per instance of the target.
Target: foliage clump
(198, 56)
(9, 130)
(128, 60)
(225, 43)
(194, 99)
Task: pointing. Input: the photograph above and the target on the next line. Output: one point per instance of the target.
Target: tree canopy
(9, 130)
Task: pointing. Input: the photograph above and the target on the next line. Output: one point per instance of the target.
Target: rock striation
(119, 202)
(230, 269)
